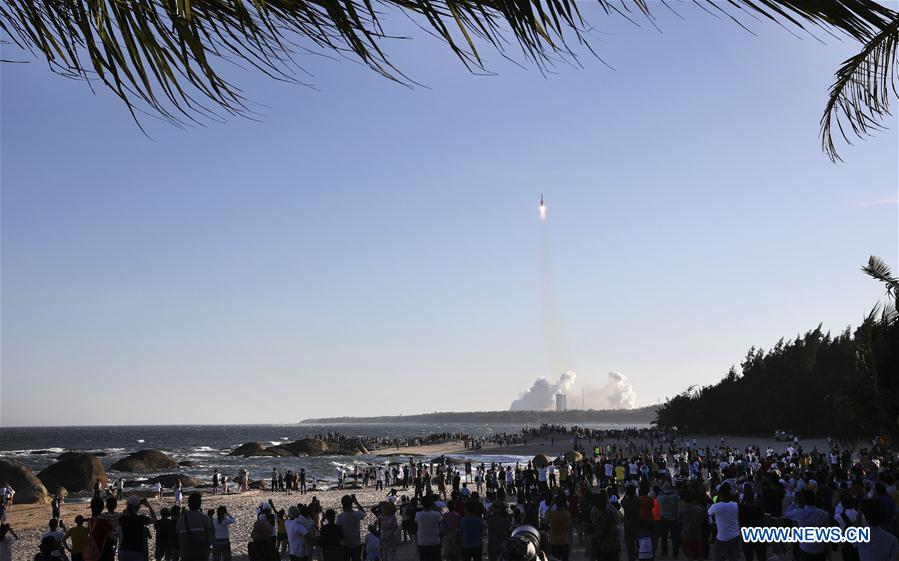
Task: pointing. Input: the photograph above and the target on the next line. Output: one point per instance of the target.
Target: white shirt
(428, 527)
(221, 527)
(726, 518)
(296, 537)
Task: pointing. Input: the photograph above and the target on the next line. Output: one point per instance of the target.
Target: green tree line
(845, 385)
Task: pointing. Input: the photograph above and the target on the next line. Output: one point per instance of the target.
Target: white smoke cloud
(542, 395)
(616, 393)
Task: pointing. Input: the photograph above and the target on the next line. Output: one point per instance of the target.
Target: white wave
(204, 449)
(141, 440)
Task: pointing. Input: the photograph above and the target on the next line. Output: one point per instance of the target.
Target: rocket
(542, 209)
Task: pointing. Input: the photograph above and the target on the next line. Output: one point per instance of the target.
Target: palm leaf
(164, 56)
(861, 94)
(879, 270)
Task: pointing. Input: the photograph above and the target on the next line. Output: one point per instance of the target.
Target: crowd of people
(650, 496)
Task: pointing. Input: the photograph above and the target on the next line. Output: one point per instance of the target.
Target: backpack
(92, 551)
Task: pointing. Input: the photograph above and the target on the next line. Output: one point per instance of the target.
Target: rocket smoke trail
(552, 326)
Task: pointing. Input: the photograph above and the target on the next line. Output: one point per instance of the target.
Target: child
(56, 505)
(57, 534)
(78, 535)
(644, 544)
(331, 537)
(281, 538)
(372, 544)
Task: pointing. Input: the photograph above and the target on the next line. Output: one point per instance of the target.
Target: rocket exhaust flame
(542, 209)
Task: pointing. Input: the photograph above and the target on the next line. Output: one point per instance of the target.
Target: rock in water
(29, 489)
(76, 472)
(249, 449)
(316, 447)
(168, 480)
(303, 447)
(145, 461)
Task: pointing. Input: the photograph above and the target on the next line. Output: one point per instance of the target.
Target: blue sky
(373, 249)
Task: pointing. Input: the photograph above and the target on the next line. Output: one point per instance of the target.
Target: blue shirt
(471, 529)
(806, 517)
(882, 547)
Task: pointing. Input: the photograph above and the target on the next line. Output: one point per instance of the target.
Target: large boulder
(145, 461)
(573, 457)
(65, 455)
(29, 489)
(250, 449)
(316, 447)
(303, 447)
(541, 460)
(168, 480)
(76, 472)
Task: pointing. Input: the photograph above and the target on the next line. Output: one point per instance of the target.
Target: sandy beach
(29, 521)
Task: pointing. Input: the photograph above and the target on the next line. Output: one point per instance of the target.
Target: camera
(523, 545)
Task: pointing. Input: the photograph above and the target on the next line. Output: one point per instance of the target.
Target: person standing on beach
(166, 537)
(604, 521)
(102, 532)
(56, 505)
(302, 481)
(726, 517)
(221, 545)
(133, 526)
(559, 522)
(471, 533)
(350, 520)
(390, 531)
(194, 531)
(499, 528)
(7, 539)
(78, 535)
(331, 539)
(215, 481)
(428, 522)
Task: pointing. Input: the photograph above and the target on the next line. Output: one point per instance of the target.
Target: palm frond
(861, 94)
(164, 56)
(879, 270)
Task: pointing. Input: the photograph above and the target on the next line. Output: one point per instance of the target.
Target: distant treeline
(844, 386)
(642, 415)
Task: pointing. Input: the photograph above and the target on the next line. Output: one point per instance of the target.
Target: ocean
(209, 445)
